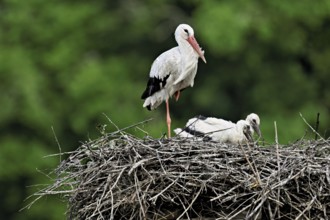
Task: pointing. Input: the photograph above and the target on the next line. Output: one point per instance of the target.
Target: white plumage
(173, 70)
(254, 121)
(216, 130)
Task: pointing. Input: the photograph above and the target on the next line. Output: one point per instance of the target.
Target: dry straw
(120, 176)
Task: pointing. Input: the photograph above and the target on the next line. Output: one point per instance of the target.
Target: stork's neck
(239, 130)
(186, 50)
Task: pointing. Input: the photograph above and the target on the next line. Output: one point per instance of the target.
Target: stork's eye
(254, 120)
(186, 30)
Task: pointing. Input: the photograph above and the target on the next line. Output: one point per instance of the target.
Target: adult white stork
(172, 71)
(208, 128)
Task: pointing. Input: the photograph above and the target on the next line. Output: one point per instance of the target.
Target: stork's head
(184, 31)
(254, 120)
(244, 127)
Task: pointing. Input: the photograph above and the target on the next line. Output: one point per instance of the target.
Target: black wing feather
(154, 85)
(197, 134)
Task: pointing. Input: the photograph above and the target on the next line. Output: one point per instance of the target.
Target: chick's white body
(215, 129)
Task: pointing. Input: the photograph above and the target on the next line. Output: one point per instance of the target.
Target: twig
(58, 144)
(154, 198)
(125, 128)
(307, 208)
(317, 124)
(255, 171)
(278, 172)
(138, 190)
(313, 129)
(192, 202)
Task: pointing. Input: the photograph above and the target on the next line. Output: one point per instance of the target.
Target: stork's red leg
(168, 119)
(177, 95)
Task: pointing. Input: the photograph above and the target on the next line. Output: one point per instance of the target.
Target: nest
(120, 176)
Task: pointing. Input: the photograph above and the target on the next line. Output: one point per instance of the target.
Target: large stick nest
(119, 176)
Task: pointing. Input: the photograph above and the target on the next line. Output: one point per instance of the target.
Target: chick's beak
(256, 128)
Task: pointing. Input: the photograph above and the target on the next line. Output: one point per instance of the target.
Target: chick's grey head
(245, 127)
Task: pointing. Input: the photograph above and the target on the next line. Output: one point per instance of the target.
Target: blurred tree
(265, 63)
(65, 63)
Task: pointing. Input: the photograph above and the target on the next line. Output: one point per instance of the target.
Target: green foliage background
(64, 64)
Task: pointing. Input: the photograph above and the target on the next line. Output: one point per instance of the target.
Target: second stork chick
(219, 130)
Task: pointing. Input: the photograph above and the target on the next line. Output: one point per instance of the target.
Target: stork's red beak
(196, 47)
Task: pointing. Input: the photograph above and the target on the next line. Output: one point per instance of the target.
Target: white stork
(254, 121)
(209, 128)
(172, 71)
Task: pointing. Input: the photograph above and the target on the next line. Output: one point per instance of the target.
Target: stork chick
(219, 130)
(254, 121)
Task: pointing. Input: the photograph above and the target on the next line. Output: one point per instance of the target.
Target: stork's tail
(152, 102)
